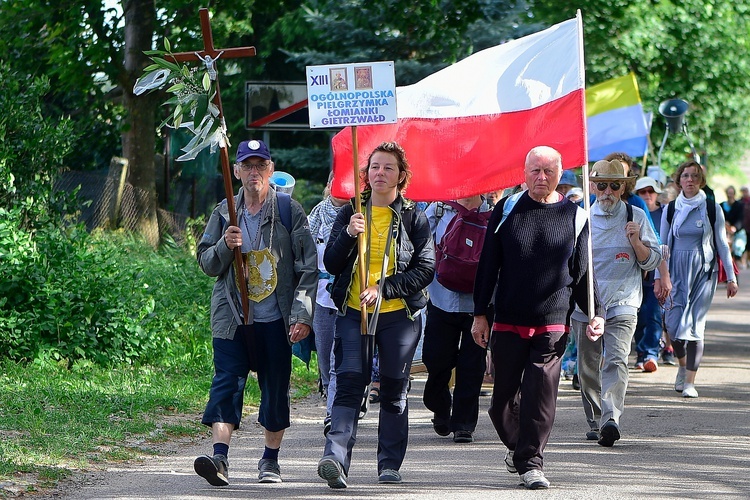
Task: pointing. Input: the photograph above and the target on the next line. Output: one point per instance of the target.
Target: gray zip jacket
(296, 268)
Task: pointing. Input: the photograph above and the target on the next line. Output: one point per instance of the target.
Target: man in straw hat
(624, 245)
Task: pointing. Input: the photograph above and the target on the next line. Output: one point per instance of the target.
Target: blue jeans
(648, 329)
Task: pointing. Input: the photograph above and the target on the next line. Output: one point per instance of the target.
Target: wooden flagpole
(361, 236)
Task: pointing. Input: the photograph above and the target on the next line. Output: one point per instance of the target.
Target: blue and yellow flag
(615, 120)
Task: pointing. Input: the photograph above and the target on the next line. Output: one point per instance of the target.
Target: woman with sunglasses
(695, 247)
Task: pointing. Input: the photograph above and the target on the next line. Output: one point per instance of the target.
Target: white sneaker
(689, 391)
(509, 462)
(679, 382)
(534, 480)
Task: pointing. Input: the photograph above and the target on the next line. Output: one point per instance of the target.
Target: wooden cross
(208, 56)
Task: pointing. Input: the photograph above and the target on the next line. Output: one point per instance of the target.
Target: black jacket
(415, 256)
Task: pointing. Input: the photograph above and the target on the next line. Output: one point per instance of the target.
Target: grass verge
(55, 418)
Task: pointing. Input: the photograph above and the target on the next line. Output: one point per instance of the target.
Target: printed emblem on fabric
(622, 257)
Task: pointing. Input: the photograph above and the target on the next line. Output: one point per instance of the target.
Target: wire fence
(108, 201)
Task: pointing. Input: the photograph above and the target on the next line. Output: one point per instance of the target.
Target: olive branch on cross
(197, 102)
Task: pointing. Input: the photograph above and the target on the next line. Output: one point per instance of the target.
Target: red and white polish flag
(466, 129)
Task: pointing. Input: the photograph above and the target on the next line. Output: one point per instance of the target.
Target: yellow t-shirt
(381, 223)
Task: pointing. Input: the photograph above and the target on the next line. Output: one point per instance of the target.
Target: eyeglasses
(260, 167)
(602, 186)
(686, 175)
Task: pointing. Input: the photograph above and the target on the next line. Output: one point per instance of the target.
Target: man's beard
(607, 202)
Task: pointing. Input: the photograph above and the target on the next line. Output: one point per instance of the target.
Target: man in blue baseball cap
(282, 281)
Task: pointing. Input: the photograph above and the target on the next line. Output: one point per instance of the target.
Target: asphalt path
(671, 447)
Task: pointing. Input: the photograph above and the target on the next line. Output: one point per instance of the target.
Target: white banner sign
(342, 95)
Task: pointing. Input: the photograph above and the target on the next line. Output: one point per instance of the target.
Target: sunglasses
(646, 191)
(602, 186)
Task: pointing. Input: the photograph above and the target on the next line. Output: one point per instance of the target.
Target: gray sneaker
(593, 435)
(509, 462)
(269, 471)
(332, 471)
(679, 381)
(534, 480)
(213, 469)
(389, 476)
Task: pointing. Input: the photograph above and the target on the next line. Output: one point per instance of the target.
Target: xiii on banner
(467, 128)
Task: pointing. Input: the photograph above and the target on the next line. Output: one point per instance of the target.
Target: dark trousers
(231, 369)
(524, 398)
(396, 339)
(448, 344)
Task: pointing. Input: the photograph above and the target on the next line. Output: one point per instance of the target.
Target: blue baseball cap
(246, 149)
(569, 178)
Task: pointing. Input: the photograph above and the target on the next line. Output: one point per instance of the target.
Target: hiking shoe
(593, 435)
(639, 366)
(389, 476)
(463, 437)
(332, 471)
(269, 471)
(576, 382)
(689, 391)
(326, 426)
(650, 365)
(534, 480)
(679, 382)
(667, 357)
(214, 469)
(440, 426)
(509, 462)
(610, 433)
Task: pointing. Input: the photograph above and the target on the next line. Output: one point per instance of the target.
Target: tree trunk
(139, 137)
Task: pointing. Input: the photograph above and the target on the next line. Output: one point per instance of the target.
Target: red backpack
(457, 254)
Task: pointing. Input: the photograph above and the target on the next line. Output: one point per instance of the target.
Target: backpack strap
(439, 209)
(506, 205)
(629, 208)
(285, 209)
(670, 212)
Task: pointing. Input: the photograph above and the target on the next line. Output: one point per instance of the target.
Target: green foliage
(32, 150)
(57, 416)
(73, 45)
(107, 298)
(676, 49)
(193, 91)
(420, 36)
(67, 416)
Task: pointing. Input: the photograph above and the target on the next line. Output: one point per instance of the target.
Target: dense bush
(32, 149)
(108, 298)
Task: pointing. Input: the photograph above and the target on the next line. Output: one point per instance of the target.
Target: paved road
(671, 447)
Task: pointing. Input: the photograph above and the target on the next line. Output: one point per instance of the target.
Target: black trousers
(524, 397)
(448, 344)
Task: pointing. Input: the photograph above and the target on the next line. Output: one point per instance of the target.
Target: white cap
(645, 182)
